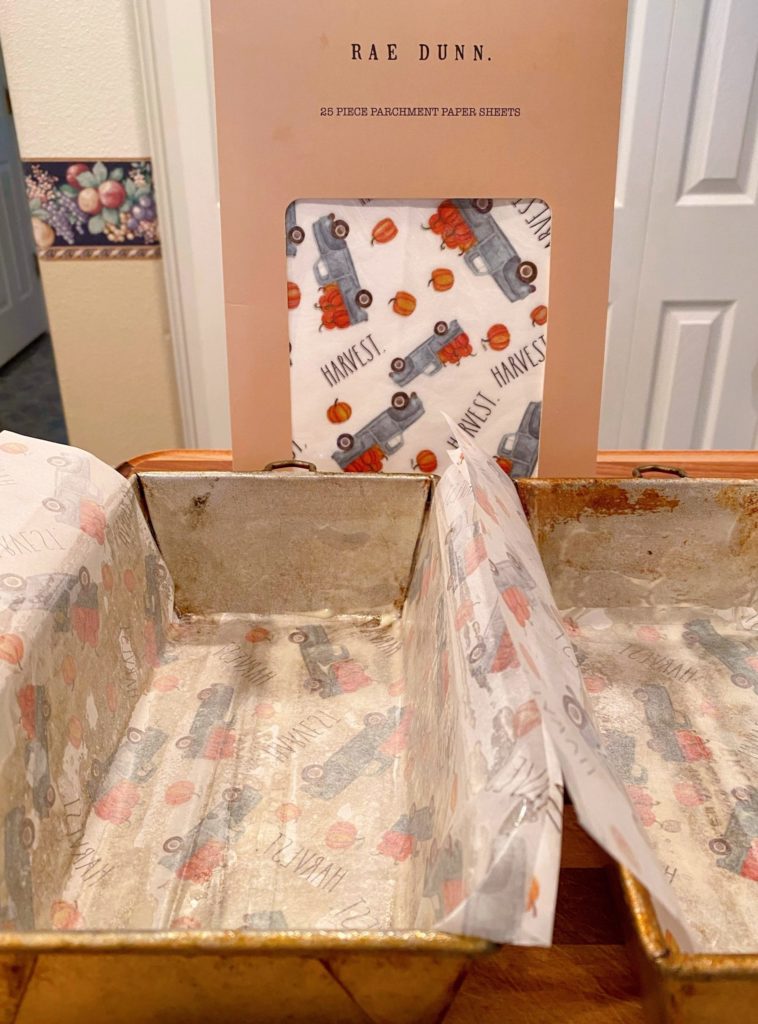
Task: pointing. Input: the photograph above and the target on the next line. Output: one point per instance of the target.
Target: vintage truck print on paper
(441, 304)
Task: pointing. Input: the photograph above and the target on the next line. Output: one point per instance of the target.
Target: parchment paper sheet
(450, 324)
(293, 771)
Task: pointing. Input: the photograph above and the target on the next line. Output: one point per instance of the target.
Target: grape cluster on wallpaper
(85, 208)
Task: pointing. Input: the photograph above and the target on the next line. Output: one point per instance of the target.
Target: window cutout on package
(400, 310)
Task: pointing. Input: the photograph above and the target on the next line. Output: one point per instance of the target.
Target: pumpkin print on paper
(11, 648)
(288, 812)
(341, 835)
(539, 316)
(339, 412)
(384, 231)
(442, 279)
(498, 338)
(461, 284)
(426, 461)
(333, 311)
(179, 792)
(403, 303)
(258, 635)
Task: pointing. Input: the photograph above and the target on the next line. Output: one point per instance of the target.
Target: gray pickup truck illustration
(35, 714)
(738, 846)
(733, 654)
(384, 432)
(73, 485)
(401, 840)
(363, 754)
(425, 357)
(194, 856)
(210, 726)
(463, 556)
(46, 591)
(320, 657)
(620, 749)
(336, 266)
(156, 577)
(443, 880)
(511, 572)
(18, 841)
(521, 448)
(493, 252)
(580, 719)
(293, 232)
(504, 890)
(493, 650)
(133, 760)
(671, 731)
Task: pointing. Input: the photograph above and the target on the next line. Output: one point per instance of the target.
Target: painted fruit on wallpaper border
(92, 204)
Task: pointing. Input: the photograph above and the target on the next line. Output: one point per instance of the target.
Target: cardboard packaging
(332, 101)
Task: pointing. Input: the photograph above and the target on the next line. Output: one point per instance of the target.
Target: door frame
(174, 39)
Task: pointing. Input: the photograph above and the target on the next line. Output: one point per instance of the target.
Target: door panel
(689, 349)
(22, 306)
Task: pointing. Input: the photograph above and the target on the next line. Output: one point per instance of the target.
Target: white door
(22, 306)
(682, 358)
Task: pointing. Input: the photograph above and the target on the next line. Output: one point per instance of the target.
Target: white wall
(74, 74)
(73, 68)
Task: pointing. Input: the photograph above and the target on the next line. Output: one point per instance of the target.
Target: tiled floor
(30, 398)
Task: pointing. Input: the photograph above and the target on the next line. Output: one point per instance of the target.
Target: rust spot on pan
(197, 509)
(570, 501)
(743, 502)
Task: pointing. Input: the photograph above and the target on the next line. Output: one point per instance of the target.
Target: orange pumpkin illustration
(92, 520)
(533, 896)
(403, 303)
(183, 922)
(505, 464)
(65, 916)
(525, 718)
(341, 835)
(179, 792)
(107, 576)
(75, 731)
(11, 648)
(287, 812)
(333, 310)
(442, 279)
(539, 316)
(68, 670)
(448, 212)
(384, 231)
(369, 462)
(116, 805)
(338, 412)
(426, 461)
(257, 635)
(293, 295)
(165, 682)
(498, 337)
(436, 224)
(203, 862)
